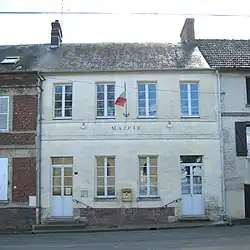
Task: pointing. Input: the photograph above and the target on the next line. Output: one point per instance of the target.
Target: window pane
(111, 104)
(183, 87)
(143, 190)
(68, 105)
(56, 181)
(185, 189)
(153, 161)
(152, 87)
(152, 95)
(3, 121)
(141, 95)
(110, 161)
(100, 96)
(142, 112)
(143, 171)
(68, 112)
(100, 191)
(100, 181)
(100, 161)
(3, 105)
(68, 181)
(194, 95)
(56, 191)
(58, 97)
(141, 87)
(111, 181)
(194, 87)
(111, 191)
(62, 160)
(100, 112)
(68, 97)
(184, 103)
(58, 89)
(153, 171)
(111, 171)
(56, 171)
(141, 103)
(153, 180)
(68, 171)
(195, 111)
(100, 171)
(68, 89)
(111, 96)
(58, 105)
(197, 189)
(58, 113)
(100, 104)
(100, 88)
(111, 112)
(142, 161)
(153, 190)
(111, 88)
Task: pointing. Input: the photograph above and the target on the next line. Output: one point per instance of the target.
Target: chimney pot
(187, 33)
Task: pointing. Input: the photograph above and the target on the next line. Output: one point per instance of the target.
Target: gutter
(223, 190)
(39, 150)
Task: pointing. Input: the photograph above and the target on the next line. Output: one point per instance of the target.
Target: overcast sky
(23, 29)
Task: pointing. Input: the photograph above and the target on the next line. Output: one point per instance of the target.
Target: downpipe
(223, 190)
(39, 151)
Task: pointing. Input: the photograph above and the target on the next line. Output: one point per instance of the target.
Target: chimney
(187, 33)
(56, 34)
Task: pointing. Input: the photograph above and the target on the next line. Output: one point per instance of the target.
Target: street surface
(229, 238)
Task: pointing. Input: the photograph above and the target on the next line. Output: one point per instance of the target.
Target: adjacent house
(18, 117)
(150, 161)
(231, 59)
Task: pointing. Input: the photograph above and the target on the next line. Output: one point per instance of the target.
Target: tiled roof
(101, 57)
(225, 53)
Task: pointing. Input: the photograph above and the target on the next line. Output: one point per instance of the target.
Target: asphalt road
(229, 238)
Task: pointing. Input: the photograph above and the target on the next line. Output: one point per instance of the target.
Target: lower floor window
(105, 176)
(148, 176)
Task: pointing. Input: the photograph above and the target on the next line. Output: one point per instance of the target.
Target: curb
(123, 229)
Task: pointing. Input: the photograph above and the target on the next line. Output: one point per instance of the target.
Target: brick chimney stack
(187, 33)
(56, 34)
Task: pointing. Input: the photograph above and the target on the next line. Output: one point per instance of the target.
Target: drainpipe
(223, 191)
(39, 150)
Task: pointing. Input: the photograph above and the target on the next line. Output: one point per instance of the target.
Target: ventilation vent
(10, 60)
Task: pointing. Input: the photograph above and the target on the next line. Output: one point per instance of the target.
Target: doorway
(62, 188)
(247, 200)
(192, 203)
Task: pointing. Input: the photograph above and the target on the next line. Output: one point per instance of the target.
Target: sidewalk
(177, 225)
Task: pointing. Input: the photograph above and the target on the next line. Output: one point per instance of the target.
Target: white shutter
(3, 179)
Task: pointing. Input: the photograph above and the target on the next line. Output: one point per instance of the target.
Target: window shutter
(240, 139)
(248, 89)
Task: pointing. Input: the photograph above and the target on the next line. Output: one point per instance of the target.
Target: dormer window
(10, 60)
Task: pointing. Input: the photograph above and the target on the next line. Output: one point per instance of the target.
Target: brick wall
(24, 112)
(16, 219)
(128, 216)
(23, 178)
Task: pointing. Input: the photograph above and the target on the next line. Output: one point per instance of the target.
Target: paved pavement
(225, 238)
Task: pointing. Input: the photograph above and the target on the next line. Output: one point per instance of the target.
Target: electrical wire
(122, 86)
(119, 13)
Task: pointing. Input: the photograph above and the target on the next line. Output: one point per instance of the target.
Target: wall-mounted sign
(125, 127)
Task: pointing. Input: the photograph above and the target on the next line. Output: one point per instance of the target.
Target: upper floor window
(105, 100)
(189, 99)
(63, 101)
(4, 113)
(146, 99)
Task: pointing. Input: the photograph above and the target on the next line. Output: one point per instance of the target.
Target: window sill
(4, 131)
(104, 117)
(4, 202)
(62, 118)
(146, 117)
(190, 117)
(248, 105)
(148, 198)
(105, 198)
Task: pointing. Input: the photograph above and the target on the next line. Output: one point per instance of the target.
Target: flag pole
(126, 103)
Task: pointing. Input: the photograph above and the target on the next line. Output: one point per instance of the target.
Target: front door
(62, 188)
(192, 203)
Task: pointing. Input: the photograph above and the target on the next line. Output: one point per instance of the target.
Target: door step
(64, 220)
(194, 218)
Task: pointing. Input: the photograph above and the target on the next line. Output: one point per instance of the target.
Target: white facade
(164, 135)
(235, 109)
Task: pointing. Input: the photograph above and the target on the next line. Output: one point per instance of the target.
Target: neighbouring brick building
(18, 118)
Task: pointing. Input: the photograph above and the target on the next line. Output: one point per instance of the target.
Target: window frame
(8, 113)
(189, 99)
(247, 78)
(148, 185)
(105, 100)
(63, 117)
(105, 177)
(146, 99)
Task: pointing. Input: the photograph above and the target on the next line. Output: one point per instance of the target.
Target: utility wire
(121, 86)
(118, 13)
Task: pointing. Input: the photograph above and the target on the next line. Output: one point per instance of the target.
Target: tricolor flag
(121, 100)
